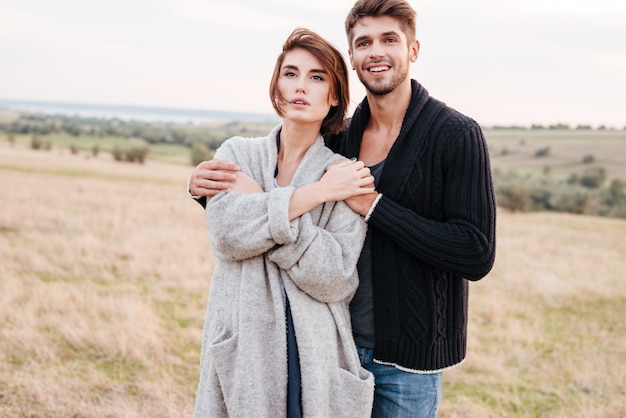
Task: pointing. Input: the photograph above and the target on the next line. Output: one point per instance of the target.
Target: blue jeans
(402, 394)
(294, 391)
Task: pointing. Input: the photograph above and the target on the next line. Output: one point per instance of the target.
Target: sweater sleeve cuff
(281, 229)
(368, 215)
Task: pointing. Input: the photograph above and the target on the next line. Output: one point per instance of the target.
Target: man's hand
(245, 184)
(361, 203)
(211, 177)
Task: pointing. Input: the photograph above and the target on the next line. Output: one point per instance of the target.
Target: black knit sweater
(433, 229)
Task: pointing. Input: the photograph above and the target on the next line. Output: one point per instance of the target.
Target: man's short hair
(400, 10)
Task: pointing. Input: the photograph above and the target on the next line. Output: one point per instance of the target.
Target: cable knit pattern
(432, 231)
(415, 301)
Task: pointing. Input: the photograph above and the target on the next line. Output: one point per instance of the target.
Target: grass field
(516, 149)
(509, 149)
(61, 144)
(106, 269)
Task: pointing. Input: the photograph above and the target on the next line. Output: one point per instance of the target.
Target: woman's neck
(295, 141)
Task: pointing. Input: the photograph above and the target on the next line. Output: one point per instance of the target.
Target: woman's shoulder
(244, 142)
(250, 143)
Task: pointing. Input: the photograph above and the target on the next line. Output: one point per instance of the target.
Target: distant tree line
(553, 127)
(211, 136)
(189, 134)
(587, 193)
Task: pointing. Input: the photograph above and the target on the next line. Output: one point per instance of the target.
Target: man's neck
(386, 116)
(387, 112)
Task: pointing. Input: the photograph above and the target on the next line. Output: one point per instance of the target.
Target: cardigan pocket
(210, 397)
(222, 352)
(356, 396)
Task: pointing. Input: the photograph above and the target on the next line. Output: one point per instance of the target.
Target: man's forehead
(376, 25)
(369, 26)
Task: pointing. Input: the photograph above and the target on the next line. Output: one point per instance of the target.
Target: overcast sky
(501, 62)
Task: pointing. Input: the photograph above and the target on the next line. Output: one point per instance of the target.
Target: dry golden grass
(105, 272)
(547, 336)
(105, 269)
(517, 148)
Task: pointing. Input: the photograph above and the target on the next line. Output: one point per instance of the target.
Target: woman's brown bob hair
(333, 63)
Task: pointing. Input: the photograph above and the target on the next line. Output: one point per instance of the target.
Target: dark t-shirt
(362, 305)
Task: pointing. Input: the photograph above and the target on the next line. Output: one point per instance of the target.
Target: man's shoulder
(334, 141)
(451, 122)
(448, 112)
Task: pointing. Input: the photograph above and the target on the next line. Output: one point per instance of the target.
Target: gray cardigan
(243, 361)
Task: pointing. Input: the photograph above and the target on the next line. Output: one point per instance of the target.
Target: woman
(277, 337)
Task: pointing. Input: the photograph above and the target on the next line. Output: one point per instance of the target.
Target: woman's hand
(346, 178)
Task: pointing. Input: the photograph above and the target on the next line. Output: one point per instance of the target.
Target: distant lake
(138, 113)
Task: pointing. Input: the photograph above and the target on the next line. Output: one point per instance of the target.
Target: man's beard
(382, 88)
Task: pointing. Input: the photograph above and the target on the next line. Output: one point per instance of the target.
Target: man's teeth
(379, 69)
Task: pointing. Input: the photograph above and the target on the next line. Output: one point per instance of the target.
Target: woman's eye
(318, 78)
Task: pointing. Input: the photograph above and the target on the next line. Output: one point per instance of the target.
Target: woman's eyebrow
(314, 70)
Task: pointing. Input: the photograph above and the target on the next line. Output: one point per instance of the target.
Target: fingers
(365, 190)
(215, 175)
(211, 165)
(211, 177)
(211, 192)
(366, 185)
(355, 170)
(207, 188)
(363, 174)
(367, 181)
(345, 162)
(348, 165)
(210, 182)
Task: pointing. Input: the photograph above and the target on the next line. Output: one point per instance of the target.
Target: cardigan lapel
(405, 147)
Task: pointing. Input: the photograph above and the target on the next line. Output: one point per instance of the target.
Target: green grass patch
(87, 174)
(121, 369)
(169, 153)
(580, 326)
(178, 309)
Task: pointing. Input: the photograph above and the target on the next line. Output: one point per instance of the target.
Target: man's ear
(414, 50)
(351, 59)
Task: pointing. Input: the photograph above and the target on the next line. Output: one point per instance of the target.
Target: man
(431, 219)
